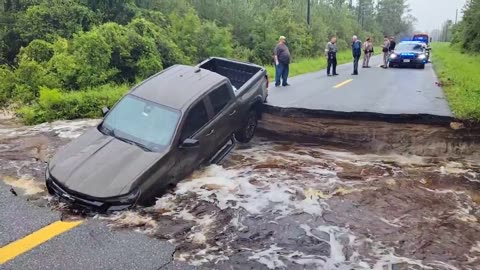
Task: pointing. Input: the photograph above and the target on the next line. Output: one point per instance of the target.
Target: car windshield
(140, 122)
(410, 47)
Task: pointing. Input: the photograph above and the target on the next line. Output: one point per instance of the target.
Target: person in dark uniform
(282, 58)
(357, 53)
(331, 54)
(393, 44)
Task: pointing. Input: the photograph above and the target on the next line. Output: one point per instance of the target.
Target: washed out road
(395, 91)
(272, 205)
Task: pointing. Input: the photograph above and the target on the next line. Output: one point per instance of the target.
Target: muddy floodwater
(282, 205)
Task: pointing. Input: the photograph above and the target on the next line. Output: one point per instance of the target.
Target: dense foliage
(67, 49)
(467, 32)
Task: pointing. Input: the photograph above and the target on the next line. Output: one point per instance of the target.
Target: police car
(409, 54)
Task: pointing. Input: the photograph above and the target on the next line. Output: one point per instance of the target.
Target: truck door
(196, 126)
(224, 111)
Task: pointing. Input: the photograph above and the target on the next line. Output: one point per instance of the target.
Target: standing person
(282, 57)
(393, 44)
(367, 52)
(356, 52)
(385, 49)
(331, 54)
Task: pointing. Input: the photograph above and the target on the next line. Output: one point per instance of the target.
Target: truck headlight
(422, 56)
(393, 56)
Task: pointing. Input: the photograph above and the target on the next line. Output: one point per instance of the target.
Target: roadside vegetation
(459, 74)
(458, 63)
(65, 59)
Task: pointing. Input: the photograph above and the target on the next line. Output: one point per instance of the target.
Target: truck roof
(177, 86)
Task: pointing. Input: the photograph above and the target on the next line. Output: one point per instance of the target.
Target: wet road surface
(375, 90)
(270, 205)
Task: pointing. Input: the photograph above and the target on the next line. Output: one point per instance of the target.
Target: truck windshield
(140, 122)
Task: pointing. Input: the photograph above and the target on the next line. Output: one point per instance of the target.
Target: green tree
(184, 30)
(216, 41)
(54, 18)
(170, 53)
(467, 33)
(391, 17)
(38, 50)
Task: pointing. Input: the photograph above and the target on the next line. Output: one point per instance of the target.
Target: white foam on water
(397, 223)
(453, 168)
(131, 219)
(228, 189)
(64, 129)
(269, 257)
(441, 266)
(27, 185)
(349, 157)
(339, 239)
(284, 182)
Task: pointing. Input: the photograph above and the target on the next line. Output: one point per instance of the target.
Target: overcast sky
(432, 13)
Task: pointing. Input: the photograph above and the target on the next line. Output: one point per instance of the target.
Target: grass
(308, 65)
(460, 75)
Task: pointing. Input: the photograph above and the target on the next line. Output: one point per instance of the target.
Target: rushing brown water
(282, 205)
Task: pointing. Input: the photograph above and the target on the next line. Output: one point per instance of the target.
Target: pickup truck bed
(241, 75)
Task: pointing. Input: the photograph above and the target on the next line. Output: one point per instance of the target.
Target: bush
(7, 85)
(38, 50)
(29, 77)
(54, 104)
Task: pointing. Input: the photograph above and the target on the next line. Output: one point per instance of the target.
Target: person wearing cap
(357, 53)
(331, 54)
(282, 57)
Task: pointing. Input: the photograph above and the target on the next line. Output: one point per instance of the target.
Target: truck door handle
(233, 113)
(210, 133)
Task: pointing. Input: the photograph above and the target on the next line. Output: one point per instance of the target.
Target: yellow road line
(343, 83)
(14, 249)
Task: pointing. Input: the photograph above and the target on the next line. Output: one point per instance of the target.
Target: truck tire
(247, 132)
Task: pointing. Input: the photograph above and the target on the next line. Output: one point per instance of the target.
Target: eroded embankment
(435, 139)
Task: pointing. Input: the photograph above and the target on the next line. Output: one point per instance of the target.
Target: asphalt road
(90, 245)
(392, 91)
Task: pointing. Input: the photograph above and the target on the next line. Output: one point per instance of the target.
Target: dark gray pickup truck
(159, 133)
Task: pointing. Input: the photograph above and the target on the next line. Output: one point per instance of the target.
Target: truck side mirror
(189, 143)
(105, 110)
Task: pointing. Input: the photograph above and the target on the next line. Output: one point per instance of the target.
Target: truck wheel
(246, 134)
(390, 65)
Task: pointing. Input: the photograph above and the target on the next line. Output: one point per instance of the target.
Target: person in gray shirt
(282, 57)
(331, 54)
